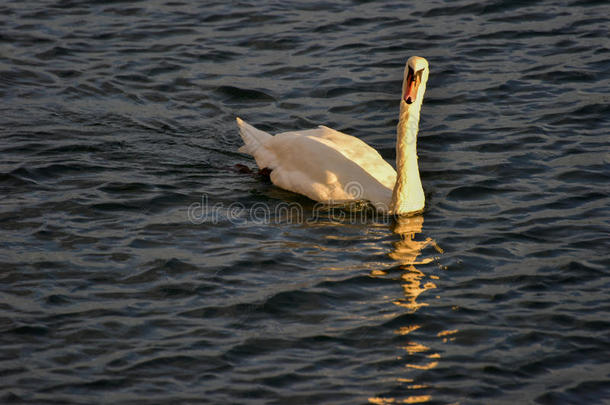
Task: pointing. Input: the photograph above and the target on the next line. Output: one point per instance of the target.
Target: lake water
(137, 265)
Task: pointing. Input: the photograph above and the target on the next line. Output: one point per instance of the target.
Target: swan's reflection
(406, 252)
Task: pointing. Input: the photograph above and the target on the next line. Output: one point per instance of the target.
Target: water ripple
(138, 263)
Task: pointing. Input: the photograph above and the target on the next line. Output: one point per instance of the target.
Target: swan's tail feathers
(253, 138)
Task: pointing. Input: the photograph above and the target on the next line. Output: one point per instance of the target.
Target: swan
(332, 167)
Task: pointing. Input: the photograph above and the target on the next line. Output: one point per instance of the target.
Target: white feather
(320, 163)
(329, 166)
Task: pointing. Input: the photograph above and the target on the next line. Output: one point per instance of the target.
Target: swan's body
(330, 166)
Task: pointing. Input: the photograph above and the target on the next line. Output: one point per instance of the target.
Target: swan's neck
(408, 194)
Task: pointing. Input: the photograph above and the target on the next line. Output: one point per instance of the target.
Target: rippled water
(139, 266)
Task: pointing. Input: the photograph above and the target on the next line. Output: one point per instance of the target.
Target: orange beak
(411, 91)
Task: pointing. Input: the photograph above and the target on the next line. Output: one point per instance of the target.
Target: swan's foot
(242, 169)
(264, 172)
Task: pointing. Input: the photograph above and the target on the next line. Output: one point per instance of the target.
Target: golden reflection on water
(414, 282)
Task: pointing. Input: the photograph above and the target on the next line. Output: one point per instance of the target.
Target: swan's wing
(322, 164)
(357, 151)
(313, 166)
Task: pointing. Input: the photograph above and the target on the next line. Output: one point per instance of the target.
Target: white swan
(330, 166)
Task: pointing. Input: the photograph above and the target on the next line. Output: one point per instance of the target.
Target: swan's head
(415, 78)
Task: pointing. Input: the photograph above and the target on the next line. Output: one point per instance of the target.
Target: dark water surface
(138, 266)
